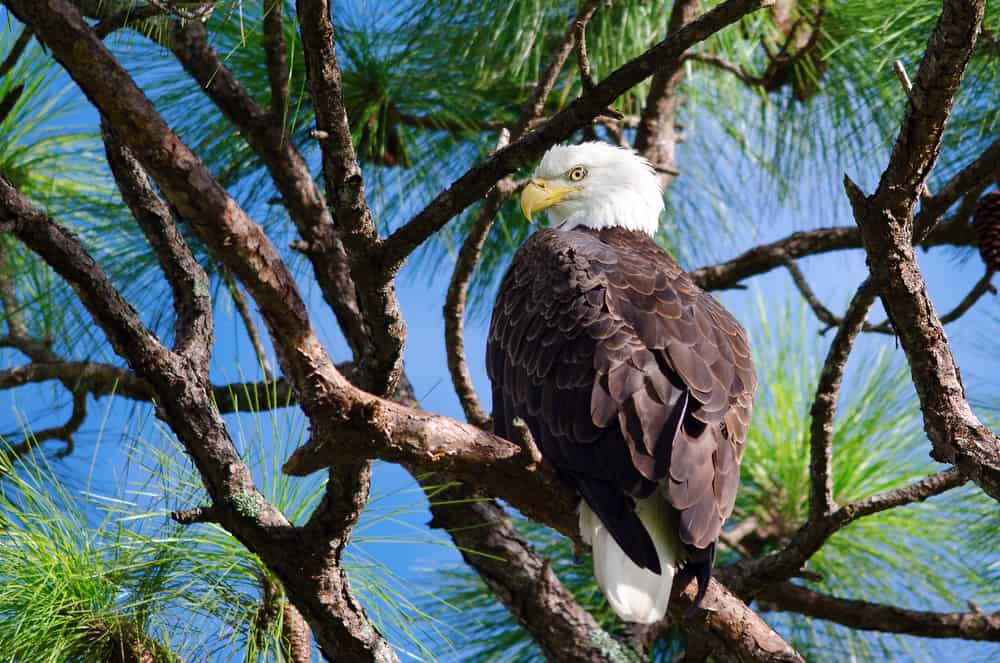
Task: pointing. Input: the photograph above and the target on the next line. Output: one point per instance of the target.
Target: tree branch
(276, 57)
(656, 137)
(886, 222)
(243, 310)
(824, 405)
(749, 577)
(764, 258)
(454, 311)
(289, 171)
(875, 617)
(64, 432)
(319, 586)
(188, 281)
(16, 50)
(345, 189)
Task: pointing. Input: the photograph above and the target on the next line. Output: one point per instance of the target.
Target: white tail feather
(635, 594)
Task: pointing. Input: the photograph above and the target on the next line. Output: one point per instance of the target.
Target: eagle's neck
(626, 210)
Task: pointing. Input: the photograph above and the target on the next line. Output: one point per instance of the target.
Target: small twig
(275, 55)
(64, 432)
(243, 310)
(824, 405)
(982, 286)
(725, 65)
(12, 310)
(458, 290)
(582, 61)
(199, 514)
(15, 51)
(533, 109)
(10, 100)
(904, 80)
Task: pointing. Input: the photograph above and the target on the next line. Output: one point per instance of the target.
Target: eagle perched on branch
(635, 384)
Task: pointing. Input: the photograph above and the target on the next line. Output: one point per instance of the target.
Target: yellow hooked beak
(540, 194)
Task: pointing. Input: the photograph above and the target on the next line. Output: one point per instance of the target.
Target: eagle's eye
(577, 174)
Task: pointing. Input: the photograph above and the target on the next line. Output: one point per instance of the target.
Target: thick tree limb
(730, 625)
(476, 181)
(876, 617)
(886, 222)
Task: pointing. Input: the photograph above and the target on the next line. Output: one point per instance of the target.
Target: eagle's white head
(596, 185)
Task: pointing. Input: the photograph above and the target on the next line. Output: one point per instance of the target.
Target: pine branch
(656, 138)
(243, 310)
(16, 51)
(289, 172)
(345, 187)
(188, 281)
(276, 57)
(867, 616)
(762, 259)
(749, 577)
(887, 227)
(824, 405)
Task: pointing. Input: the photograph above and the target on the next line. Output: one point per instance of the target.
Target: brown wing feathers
(628, 377)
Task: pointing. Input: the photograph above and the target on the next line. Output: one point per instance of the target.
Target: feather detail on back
(633, 382)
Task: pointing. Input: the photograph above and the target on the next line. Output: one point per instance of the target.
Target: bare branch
(725, 65)
(12, 311)
(875, 617)
(276, 56)
(533, 109)
(824, 405)
(243, 310)
(188, 281)
(982, 286)
(62, 250)
(657, 136)
(886, 222)
(454, 311)
(749, 577)
(345, 189)
(728, 623)
(10, 100)
(764, 258)
(970, 178)
(64, 432)
(289, 171)
(16, 50)
(198, 514)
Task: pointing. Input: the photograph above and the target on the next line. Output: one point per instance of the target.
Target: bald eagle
(635, 384)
